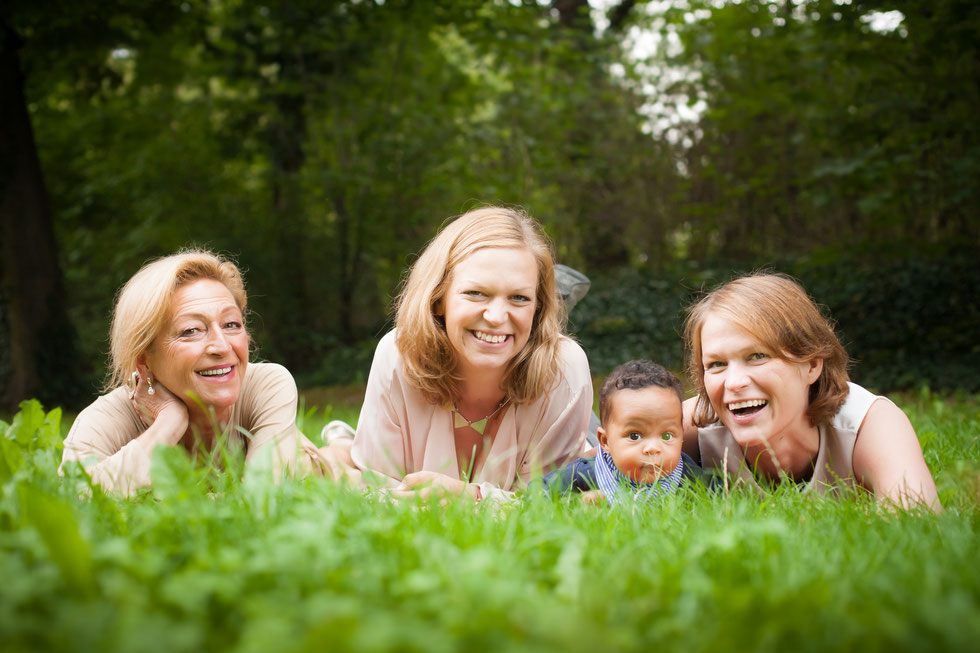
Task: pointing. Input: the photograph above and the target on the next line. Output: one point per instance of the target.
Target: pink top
(399, 432)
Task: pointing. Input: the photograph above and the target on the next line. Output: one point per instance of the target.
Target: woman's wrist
(167, 429)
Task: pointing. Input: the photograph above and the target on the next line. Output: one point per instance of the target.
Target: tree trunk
(39, 339)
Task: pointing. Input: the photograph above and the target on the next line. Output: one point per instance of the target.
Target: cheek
(712, 384)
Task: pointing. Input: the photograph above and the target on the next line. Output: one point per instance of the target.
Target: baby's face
(643, 432)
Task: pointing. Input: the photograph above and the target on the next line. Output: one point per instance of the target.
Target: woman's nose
(735, 378)
(217, 341)
(494, 313)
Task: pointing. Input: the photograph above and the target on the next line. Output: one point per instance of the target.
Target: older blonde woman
(774, 400)
(476, 390)
(181, 376)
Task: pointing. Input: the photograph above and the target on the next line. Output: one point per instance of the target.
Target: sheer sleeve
(381, 442)
(551, 430)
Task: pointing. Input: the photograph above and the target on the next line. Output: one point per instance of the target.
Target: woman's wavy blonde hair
(775, 310)
(143, 304)
(429, 358)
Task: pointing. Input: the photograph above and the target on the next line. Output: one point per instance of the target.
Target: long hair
(429, 358)
(143, 303)
(775, 310)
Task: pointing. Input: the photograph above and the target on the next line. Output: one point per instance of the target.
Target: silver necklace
(478, 425)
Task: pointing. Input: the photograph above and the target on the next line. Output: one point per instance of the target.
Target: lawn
(211, 561)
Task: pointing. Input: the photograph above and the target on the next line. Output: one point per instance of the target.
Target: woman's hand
(427, 484)
(165, 416)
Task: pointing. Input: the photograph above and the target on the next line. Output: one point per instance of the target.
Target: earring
(149, 383)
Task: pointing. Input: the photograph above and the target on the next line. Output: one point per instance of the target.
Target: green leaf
(56, 524)
(11, 459)
(26, 422)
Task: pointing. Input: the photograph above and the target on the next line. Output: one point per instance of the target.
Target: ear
(437, 307)
(141, 366)
(603, 439)
(813, 371)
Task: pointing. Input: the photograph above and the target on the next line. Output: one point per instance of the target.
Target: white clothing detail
(834, 465)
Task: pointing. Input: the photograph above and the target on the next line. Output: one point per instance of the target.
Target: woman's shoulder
(574, 360)
(262, 379)
(111, 415)
(267, 371)
(854, 409)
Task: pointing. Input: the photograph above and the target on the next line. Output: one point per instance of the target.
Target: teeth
(218, 372)
(486, 337)
(751, 403)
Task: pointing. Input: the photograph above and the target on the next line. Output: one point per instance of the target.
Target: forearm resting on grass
(888, 459)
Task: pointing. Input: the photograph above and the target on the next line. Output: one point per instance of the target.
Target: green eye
(667, 437)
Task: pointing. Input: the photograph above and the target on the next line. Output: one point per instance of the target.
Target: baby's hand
(594, 498)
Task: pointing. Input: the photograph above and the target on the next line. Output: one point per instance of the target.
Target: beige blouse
(399, 432)
(103, 436)
(834, 465)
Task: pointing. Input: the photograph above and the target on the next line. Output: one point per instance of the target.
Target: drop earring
(149, 384)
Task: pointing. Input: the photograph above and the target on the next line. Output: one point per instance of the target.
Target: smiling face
(489, 307)
(759, 396)
(202, 349)
(643, 432)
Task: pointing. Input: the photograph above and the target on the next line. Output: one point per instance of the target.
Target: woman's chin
(218, 403)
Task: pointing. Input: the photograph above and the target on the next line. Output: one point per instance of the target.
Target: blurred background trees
(322, 143)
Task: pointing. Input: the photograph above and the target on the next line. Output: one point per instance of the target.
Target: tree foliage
(323, 143)
(823, 128)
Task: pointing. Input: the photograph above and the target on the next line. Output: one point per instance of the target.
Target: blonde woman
(774, 400)
(181, 377)
(476, 390)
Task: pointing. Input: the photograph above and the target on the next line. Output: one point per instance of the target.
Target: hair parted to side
(636, 375)
(775, 310)
(428, 356)
(143, 303)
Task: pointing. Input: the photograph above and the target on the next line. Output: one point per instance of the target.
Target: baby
(640, 438)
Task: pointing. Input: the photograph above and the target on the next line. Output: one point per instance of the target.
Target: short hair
(636, 375)
(775, 310)
(143, 303)
(429, 359)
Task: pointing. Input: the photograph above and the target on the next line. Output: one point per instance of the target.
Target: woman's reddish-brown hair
(775, 310)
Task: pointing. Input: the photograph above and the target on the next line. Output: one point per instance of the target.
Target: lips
(746, 407)
(216, 372)
(490, 338)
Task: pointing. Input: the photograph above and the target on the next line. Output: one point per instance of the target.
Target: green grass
(209, 561)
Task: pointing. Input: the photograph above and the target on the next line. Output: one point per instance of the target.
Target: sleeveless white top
(834, 466)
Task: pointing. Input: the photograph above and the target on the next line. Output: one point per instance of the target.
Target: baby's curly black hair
(636, 375)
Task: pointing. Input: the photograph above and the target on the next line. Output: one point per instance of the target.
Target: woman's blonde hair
(143, 303)
(429, 358)
(775, 310)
